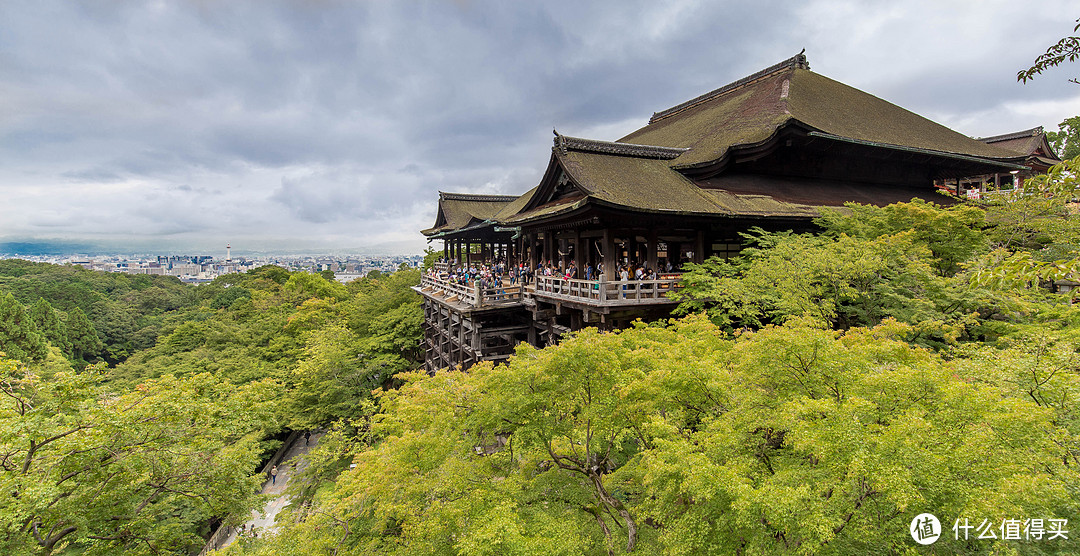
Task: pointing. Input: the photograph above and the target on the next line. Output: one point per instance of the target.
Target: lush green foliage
(954, 273)
(680, 439)
(20, 338)
(138, 459)
(100, 472)
(326, 345)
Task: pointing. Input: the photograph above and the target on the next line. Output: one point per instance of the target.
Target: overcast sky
(327, 125)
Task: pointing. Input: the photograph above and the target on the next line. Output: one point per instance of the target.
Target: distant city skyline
(290, 126)
(35, 247)
(201, 268)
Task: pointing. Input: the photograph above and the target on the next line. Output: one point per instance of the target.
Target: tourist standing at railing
(624, 277)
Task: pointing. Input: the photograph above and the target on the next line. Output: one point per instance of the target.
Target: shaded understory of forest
(812, 396)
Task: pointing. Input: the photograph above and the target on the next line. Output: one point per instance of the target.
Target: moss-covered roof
(751, 110)
(458, 210)
(641, 171)
(644, 183)
(1030, 142)
(835, 108)
(515, 206)
(543, 211)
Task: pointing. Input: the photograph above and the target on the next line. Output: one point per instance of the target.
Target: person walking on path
(307, 437)
(273, 475)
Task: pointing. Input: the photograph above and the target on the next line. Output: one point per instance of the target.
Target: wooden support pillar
(651, 247)
(549, 249)
(579, 260)
(699, 247)
(608, 248)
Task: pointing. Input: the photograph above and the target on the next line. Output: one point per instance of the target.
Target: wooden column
(651, 247)
(549, 242)
(579, 259)
(608, 248)
(699, 247)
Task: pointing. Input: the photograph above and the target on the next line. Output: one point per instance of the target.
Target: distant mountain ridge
(49, 248)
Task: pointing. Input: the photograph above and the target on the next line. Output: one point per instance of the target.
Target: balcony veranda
(592, 293)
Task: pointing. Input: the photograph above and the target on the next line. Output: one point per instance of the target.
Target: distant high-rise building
(228, 252)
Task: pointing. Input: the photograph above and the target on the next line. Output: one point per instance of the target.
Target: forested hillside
(815, 395)
(144, 456)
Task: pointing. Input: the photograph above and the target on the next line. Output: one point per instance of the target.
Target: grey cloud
(303, 118)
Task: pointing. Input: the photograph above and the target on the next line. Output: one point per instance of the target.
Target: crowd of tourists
(499, 274)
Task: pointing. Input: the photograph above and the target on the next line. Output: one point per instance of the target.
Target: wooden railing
(591, 292)
(594, 292)
(472, 294)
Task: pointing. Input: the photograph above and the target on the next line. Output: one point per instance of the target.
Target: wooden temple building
(767, 150)
(1030, 144)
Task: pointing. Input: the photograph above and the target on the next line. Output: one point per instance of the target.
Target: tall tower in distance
(228, 252)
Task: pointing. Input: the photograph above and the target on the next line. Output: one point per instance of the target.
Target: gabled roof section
(752, 110)
(629, 175)
(797, 61)
(637, 183)
(459, 210)
(514, 206)
(1030, 142)
(838, 109)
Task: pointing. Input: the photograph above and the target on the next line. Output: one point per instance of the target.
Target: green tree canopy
(1066, 140)
(101, 472)
(680, 439)
(19, 337)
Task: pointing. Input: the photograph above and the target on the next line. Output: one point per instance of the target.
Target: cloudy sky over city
(331, 125)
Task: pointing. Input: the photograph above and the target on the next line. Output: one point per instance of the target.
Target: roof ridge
(797, 61)
(479, 197)
(1014, 135)
(565, 143)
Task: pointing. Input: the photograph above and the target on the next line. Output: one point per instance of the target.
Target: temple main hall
(768, 150)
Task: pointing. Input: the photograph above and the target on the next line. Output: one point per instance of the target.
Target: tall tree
(51, 324)
(19, 338)
(1066, 140)
(85, 342)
